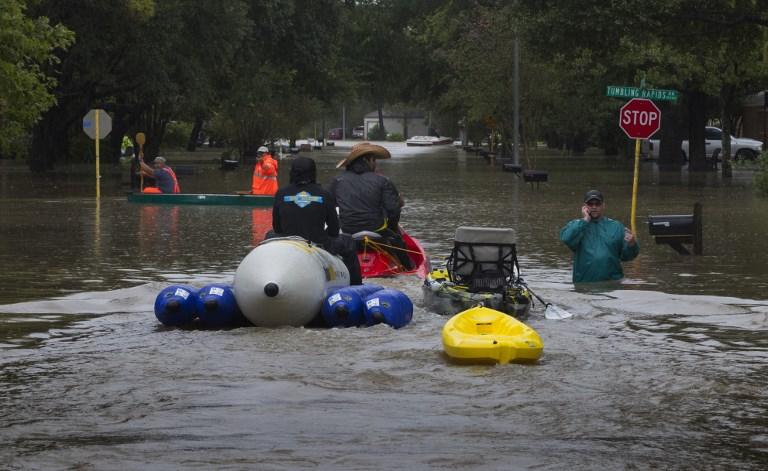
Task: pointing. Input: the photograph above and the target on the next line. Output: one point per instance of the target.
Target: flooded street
(666, 370)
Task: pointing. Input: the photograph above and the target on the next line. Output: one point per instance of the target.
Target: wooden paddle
(140, 140)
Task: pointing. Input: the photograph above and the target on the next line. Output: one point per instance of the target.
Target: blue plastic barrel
(389, 306)
(344, 307)
(175, 305)
(216, 306)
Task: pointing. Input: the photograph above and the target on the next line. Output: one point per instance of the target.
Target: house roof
(758, 99)
(412, 114)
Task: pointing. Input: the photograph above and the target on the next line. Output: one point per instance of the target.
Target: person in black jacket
(367, 200)
(304, 208)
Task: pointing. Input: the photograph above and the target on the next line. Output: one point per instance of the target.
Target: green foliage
(27, 46)
(395, 137)
(257, 70)
(177, 134)
(376, 133)
(761, 177)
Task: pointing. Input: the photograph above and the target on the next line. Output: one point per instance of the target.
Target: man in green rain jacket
(599, 244)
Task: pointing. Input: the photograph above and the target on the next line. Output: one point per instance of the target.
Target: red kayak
(377, 261)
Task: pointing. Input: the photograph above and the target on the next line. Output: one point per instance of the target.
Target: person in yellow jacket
(264, 181)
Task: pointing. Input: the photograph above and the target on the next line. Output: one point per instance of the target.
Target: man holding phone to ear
(599, 244)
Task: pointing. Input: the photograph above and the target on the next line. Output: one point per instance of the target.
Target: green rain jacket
(598, 249)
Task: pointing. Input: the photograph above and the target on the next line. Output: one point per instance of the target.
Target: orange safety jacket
(172, 174)
(264, 180)
(176, 187)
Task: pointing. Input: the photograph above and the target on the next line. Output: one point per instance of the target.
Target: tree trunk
(50, 141)
(672, 131)
(195, 134)
(697, 120)
(726, 95)
(153, 124)
(380, 110)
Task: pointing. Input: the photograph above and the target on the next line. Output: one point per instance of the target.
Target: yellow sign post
(639, 118)
(97, 124)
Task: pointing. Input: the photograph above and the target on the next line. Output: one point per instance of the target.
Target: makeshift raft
(481, 270)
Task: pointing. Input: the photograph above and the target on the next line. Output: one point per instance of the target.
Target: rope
(378, 245)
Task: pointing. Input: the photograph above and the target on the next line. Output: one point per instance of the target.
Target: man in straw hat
(367, 200)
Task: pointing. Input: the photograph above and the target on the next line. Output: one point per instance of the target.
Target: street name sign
(634, 92)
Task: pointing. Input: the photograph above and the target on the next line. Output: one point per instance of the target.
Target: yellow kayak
(485, 335)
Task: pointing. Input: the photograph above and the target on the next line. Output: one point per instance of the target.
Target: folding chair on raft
(484, 259)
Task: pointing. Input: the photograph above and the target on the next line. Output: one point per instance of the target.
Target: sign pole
(96, 129)
(98, 187)
(634, 186)
(639, 118)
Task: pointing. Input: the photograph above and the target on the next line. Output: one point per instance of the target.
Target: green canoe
(204, 199)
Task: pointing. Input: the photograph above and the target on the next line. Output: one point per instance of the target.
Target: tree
(28, 46)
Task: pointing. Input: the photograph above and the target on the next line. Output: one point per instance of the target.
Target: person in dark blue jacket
(599, 244)
(305, 209)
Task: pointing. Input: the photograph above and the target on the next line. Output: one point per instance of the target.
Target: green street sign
(634, 92)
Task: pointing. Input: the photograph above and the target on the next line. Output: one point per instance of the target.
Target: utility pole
(765, 120)
(516, 92)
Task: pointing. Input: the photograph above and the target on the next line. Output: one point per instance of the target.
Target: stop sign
(89, 123)
(639, 118)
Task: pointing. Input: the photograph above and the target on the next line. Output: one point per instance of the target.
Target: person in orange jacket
(264, 181)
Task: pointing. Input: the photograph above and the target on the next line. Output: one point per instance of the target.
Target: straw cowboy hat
(364, 148)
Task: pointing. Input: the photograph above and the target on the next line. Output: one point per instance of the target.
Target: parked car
(358, 132)
(336, 133)
(742, 148)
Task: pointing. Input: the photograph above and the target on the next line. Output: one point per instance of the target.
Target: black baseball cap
(593, 195)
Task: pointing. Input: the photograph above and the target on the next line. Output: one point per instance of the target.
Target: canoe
(215, 199)
(376, 261)
(484, 335)
(445, 297)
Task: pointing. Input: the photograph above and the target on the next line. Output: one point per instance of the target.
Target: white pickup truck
(742, 148)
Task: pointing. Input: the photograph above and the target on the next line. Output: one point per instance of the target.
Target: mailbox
(678, 229)
(535, 176)
(673, 225)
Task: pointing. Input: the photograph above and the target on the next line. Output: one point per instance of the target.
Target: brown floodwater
(664, 370)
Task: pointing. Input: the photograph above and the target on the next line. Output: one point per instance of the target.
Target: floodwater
(666, 370)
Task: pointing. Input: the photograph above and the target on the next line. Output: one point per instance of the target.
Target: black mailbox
(535, 176)
(514, 168)
(678, 229)
(673, 225)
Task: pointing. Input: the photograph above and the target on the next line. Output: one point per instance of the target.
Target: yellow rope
(378, 245)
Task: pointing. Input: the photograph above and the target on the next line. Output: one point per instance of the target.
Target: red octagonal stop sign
(639, 118)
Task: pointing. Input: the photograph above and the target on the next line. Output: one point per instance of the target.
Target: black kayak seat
(484, 258)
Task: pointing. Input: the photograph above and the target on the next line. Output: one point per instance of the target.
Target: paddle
(140, 140)
(551, 312)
